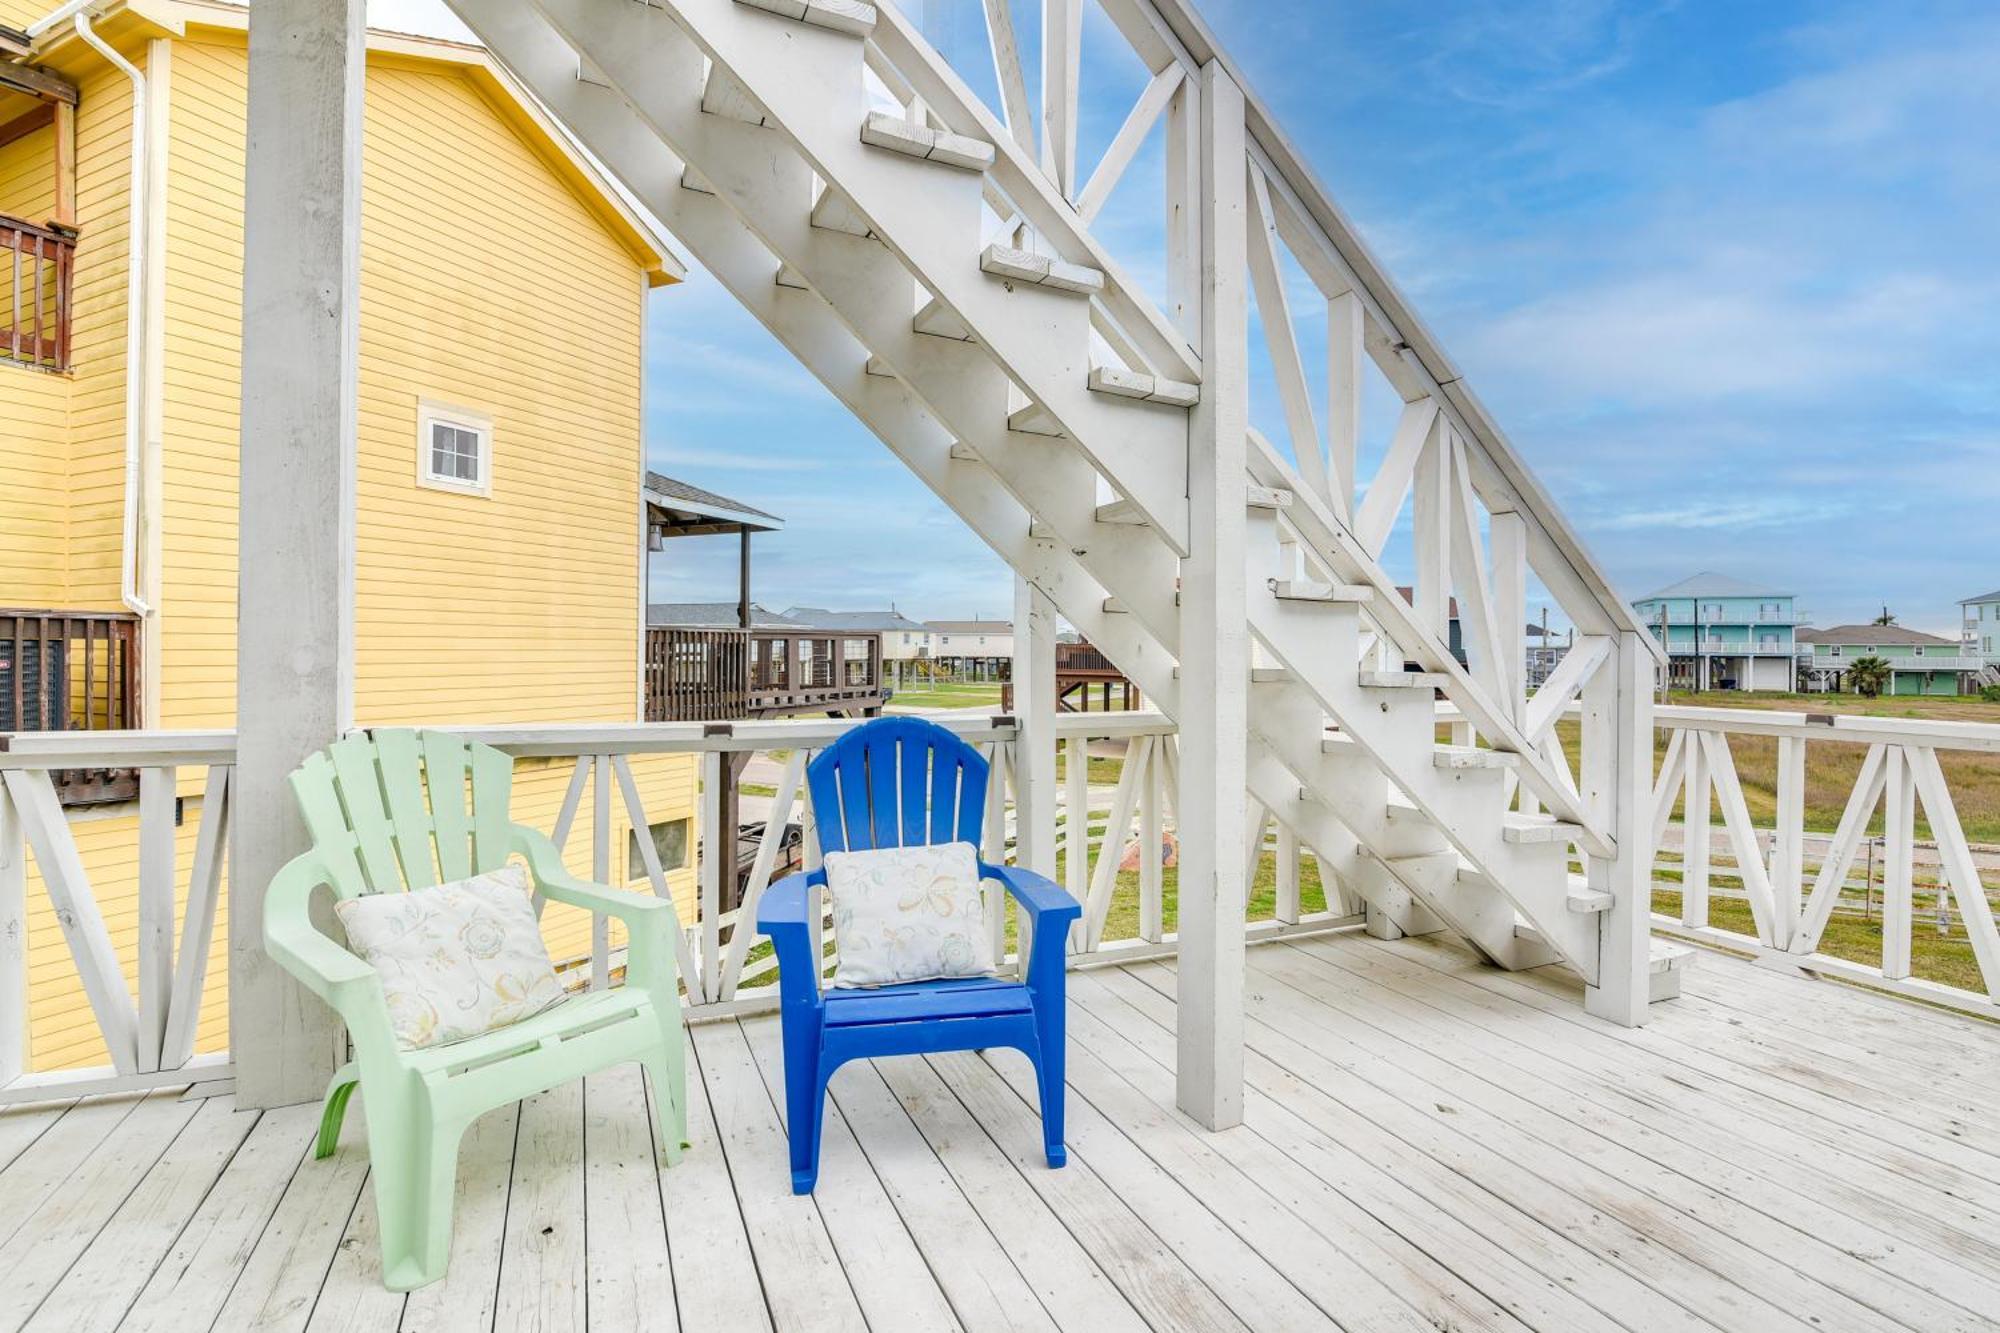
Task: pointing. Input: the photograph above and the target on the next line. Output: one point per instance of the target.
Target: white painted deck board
(1428, 1143)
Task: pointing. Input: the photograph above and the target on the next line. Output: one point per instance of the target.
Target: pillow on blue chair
(903, 914)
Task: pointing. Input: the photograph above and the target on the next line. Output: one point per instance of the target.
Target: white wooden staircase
(933, 261)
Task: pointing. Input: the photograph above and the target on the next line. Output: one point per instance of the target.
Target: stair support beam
(1617, 781)
(1215, 642)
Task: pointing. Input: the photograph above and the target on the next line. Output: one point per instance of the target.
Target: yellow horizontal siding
(28, 177)
(485, 283)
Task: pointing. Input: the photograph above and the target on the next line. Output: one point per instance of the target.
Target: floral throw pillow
(908, 914)
(455, 959)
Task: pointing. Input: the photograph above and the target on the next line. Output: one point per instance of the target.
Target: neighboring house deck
(1429, 1143)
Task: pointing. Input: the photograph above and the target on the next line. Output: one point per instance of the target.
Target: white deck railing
(1845, 901)
(146, 986)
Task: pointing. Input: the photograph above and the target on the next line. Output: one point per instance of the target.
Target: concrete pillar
(295, 581)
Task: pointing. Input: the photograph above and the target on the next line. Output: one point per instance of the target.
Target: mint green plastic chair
(396, 810)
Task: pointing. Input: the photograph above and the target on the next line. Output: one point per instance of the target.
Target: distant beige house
(979, 649)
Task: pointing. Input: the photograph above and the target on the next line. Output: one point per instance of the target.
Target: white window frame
(431, 413)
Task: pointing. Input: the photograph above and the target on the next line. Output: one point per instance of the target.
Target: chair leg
(334, 1109)
(1049, 1083)
(805, 1096)
(667, 1068)
(413, 1166)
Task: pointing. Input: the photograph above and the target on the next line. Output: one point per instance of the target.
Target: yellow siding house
(499, 541)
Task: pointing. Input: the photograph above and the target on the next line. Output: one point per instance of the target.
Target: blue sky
(1723, 271)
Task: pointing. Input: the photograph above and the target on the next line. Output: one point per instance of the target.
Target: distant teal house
(1723, 634)
(1919, 663)
(1981, 636)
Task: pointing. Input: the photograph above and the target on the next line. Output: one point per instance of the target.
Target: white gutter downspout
(136, 238)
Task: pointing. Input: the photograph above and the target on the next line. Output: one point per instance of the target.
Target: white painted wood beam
(1005, 43)
(1346, 353)
(1062, 56)
(1139, 122)
(1384, 500)
(295, 581)
(1281, 343)
(1215, 647)
(1621, 698)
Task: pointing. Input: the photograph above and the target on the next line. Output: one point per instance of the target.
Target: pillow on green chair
(455, 959)
(905, 914)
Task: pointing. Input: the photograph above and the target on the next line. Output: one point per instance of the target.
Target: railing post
(1215, 650)
(295, 591)
(1035, 720)
(13, 943)
(1620, 697)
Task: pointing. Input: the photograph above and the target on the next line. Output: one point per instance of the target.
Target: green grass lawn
(946, 694)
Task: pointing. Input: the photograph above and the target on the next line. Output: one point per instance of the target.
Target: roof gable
(1710, 584)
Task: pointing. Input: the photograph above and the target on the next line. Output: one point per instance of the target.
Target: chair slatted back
(395, 809)
(897, 782)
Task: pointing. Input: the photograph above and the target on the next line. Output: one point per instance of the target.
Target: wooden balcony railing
(35, 265)
(72, 671)
(700, 674)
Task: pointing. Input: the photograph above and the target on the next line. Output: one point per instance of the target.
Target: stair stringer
(809, 82)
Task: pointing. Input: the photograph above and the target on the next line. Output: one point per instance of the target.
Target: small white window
(454, 449)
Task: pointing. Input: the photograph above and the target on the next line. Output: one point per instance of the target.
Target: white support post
(1152, 924)
(1287, 886)
(1621, 701)
(1788, 840)
(1035, 743)
(1621, 694)
(1695, 805)
(1898, 821)
(295, 581)
(1215, 650)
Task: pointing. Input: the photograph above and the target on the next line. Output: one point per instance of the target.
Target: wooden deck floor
(1429, 1144)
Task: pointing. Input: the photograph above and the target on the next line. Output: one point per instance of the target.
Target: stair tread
(1033, 420)
(1004, 261)
(1140, 386)
(848, 16)
(1473, 756)
(833, 211)
(1519, 828)
(1403, 680)
(1308, 590)
(885, 129)
(723, 94)
(1664, 955)
(937, 321)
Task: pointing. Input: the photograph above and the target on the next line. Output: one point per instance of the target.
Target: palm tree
(1868, 675)
(1887, 617)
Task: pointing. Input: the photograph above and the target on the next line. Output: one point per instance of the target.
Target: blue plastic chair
(904, 782)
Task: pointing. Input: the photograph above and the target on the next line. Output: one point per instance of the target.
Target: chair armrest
(784, 913)
(553, 880)
(649, 921)
(302, 949)
(1051, 911)
(1037, 894)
